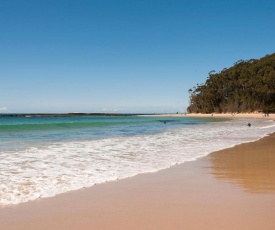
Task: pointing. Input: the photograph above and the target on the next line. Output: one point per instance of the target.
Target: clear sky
(122, 55)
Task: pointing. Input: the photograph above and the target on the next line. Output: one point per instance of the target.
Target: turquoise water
(21, 132)
(45, 156)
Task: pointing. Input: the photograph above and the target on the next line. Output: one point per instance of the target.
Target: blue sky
(122, 55)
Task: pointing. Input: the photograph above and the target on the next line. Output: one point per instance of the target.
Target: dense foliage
(248, 86)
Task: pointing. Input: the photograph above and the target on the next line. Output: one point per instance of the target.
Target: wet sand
(229, 189)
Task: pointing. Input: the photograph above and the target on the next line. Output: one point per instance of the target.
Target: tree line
(247, 86)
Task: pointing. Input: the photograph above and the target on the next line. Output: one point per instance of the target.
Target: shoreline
(171, 148)
(216, 115)
(168, 185)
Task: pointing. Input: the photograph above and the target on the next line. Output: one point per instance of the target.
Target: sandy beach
(137, 115)
(229, 189)
(221, 115)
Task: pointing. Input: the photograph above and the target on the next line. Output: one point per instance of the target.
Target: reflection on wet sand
(250, 165)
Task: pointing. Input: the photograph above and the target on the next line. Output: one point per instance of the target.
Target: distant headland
(68, 114)
(248, 86)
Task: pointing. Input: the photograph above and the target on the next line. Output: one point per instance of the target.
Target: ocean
(45, 156)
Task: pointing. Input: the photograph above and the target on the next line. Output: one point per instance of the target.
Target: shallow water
(42, 157)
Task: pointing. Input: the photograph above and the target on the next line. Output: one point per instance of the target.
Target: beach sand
(229, 189)
(221, 115)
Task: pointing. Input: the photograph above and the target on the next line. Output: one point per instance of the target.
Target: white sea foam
(268, 126)
(61, 167)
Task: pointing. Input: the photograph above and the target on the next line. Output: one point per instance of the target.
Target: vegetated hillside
(248, 86)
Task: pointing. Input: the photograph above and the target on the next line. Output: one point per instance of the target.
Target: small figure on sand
(248, 124)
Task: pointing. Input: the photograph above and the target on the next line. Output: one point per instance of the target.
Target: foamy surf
(38, 171)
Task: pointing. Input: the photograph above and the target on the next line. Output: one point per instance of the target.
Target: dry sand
(222, 115)
(229, 189)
